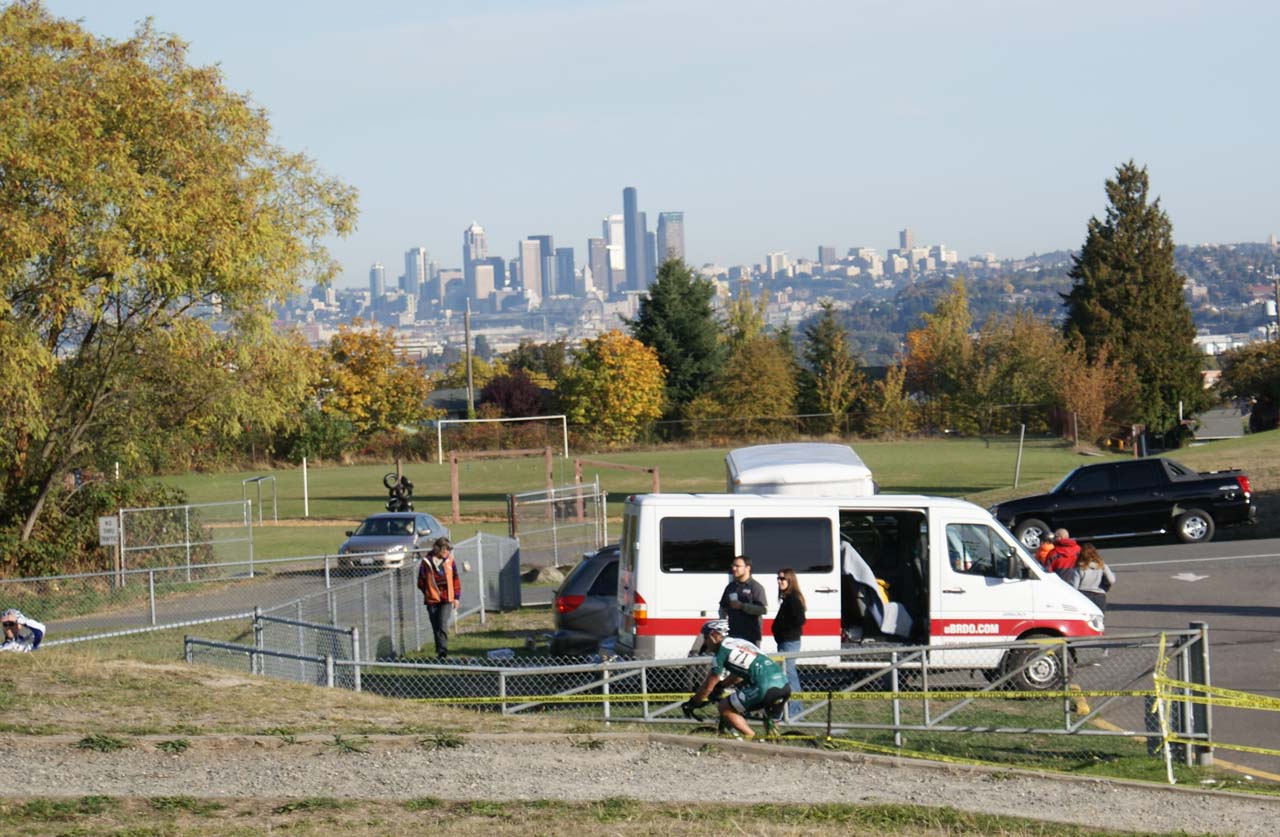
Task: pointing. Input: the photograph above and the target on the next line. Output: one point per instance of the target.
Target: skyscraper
(905, 240)
(564, 271)
(614, 281)
(377, 281)
(415, 271)
(670, 236)
(633, 226)
(547, 264)
(650, 253)
(598, 261)
(826, 255)
(531, 267)
(473, 251)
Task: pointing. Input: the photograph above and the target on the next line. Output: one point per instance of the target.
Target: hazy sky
(983, 124)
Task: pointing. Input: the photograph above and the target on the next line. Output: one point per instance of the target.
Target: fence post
(481, 582)
(644, 692)
(364, 614)
(355, 656)
(333, 608)
(391, 612)
(1200, 714)
(151, 594)
(186, 649)
(248, 513)
(257, 640)
(186, 537)
(302, 646)
(328, 670)
(604, 687)
(327, 582)
(897, 704)
(502, 690)
(417, 620)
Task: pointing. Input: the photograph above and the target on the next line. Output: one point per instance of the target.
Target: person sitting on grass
(20, 632)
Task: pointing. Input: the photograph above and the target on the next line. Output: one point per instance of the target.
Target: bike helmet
(720, 626)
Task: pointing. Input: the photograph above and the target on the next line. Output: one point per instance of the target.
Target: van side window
(697, 544)
(975, 549)
(774, 543)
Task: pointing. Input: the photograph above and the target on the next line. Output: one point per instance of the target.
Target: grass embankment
(185, 815)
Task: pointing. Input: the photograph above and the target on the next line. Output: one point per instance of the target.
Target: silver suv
(384, 541)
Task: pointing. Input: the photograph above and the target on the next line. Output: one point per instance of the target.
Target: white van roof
(799, 503)
(811, 468)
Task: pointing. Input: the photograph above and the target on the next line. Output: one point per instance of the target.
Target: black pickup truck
(1153, 496)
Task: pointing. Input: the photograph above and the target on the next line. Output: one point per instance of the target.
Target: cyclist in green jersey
(761, 682)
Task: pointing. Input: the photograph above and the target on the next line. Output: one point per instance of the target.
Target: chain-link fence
(385, 605)
(1064, 701)
(556, 526)
(206, 534)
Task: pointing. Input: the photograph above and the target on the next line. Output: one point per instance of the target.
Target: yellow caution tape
(1215, 695)
(678, 697)
(1173, 739)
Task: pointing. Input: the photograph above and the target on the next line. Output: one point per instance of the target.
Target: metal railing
(557, 525)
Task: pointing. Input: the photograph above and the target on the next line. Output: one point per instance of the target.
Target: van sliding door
(807, 545)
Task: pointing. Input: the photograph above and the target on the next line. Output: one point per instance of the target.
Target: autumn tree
(1253, 372)
(890, 409)
(612, 388)
(830, 380)
(135, 190)
(1097, 394)
(514, 394)
(1013, 374)
(754, 391)
(1127, 296)
(744, 318)
(544, 363)
(938, 358)
(368, 382)
(676, 321)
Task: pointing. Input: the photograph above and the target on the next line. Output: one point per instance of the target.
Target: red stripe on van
(689, 627)
(979, 628)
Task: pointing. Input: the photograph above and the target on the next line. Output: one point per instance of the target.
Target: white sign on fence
(109, 531)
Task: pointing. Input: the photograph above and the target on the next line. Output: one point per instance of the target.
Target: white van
(879, 570)
(808, 468)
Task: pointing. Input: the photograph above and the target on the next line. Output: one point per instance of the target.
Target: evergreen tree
(676, 321)
(829, 380)
(1127, 296)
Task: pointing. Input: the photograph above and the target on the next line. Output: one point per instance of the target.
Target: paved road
(1234, 586)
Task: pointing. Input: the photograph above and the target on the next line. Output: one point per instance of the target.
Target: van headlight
(1097, 623)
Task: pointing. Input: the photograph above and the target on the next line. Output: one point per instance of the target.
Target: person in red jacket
(441, 590)
(1065, 552)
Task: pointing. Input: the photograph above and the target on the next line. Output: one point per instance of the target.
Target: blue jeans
(793, 677)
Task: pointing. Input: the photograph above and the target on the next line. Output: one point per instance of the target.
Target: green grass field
(954, 467)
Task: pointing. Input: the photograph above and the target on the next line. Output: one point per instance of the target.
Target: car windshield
(386, 526)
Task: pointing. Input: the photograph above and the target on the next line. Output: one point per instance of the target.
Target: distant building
(670, 236)
(564, 271)
(650, 254)
(377, 280)
(474, 251)
(483, 282)
(633, 228)
(415, 271)
(530, 267)
(826, 256)
(776, 264)
(905, 239)
(598, 261)
(615, 241)
(547, 265)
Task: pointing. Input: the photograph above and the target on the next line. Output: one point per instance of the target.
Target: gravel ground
(657, 768)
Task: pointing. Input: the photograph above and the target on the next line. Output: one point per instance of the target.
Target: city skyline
(990, 127)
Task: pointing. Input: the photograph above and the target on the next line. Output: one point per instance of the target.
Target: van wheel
(1194, 526)
(1036, 670)
(1030, 532)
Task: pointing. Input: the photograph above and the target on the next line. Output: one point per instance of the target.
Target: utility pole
(466, 331)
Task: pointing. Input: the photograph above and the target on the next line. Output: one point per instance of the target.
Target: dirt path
(660, 768)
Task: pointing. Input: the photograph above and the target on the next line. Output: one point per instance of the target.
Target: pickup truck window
(1092, 481)
(1146, 473)
(697, 545)
(802, 543)
(975, 549)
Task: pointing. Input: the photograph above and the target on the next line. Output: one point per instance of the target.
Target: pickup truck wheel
(1030, 532)
(1035, 675)
(1194, 526)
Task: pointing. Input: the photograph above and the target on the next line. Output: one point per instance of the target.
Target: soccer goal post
(440, 423)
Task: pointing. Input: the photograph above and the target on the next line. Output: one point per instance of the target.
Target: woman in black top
(788, 626)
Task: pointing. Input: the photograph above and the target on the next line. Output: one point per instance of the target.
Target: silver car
(384, 541)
